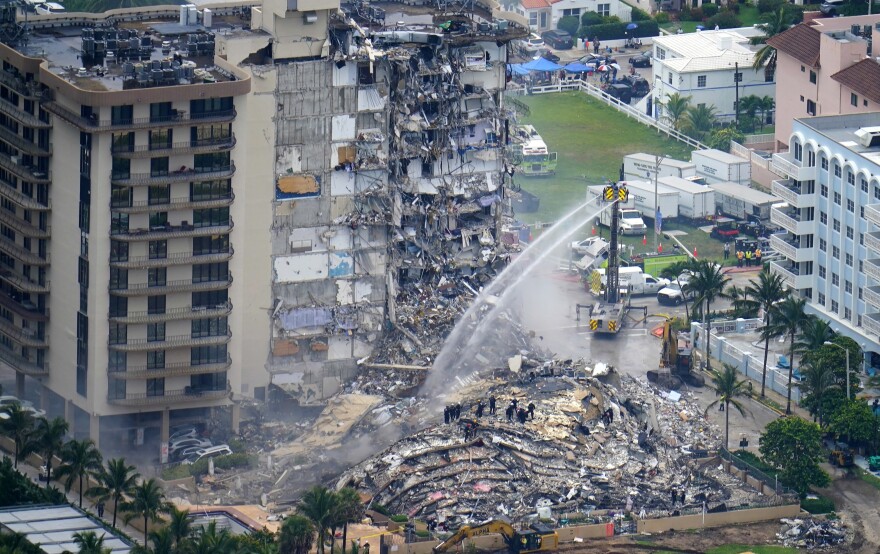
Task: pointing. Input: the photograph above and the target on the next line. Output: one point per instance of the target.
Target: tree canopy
(794, 447)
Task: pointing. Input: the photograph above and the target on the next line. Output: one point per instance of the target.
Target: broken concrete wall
(698, 521)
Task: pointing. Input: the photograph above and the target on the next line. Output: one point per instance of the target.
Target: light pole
(829, 343)
(658, 159)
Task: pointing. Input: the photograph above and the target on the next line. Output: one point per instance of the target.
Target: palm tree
(673, 271)
(674, 108)
(728, 387)
(766, 292)
(208, 540)
(297, 535)
(162, 540)
(350, 508)
(749, 106)
(788, 319)
(79, 459)
(768, 104)
(318, 504)
(90, 543)
(708, 281)
(740, 302)
(49, 440)
(19, 425)
(815, 333)
(772, 24)
(698, 121)
(179, 524)
(114, 483)
(147, 501)
(818, 379)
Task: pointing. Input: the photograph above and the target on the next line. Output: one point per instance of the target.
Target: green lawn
(748, 16)
(591, 139)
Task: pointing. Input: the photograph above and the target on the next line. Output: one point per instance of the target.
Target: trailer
(740, 202)
(720, 167)
(641, 198)
(641, 166)
(695, 201)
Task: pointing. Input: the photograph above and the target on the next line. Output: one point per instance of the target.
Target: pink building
(816, 71)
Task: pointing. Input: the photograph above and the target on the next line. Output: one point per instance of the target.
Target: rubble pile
(811, 533)
(597, 441)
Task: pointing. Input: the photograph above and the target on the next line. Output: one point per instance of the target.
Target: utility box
(641, 166)
(720, 167)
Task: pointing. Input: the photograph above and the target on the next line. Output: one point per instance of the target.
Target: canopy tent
(577, 67)
(541, 64)
(517, 69)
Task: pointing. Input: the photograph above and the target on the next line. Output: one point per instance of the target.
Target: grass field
(748, 16)
(591, 139)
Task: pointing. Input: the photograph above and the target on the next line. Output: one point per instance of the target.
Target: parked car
(674, 294)
(557, 39)
(641, 60)
(582, 247)
(831, 7)
(533, 44)
(184, 454)
(212, 452)
(596, 59)
(184, 432)
(640, 86)
(621, 91)
(550, 56)
(180, 445)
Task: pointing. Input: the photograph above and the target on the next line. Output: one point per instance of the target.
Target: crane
(537, 538)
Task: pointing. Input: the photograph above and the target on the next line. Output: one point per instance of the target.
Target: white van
(212, 452)
(47, 8)
(637, 281)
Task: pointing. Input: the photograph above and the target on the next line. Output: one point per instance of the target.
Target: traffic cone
(594, 229)
(695, 251)
(660, 248)
(645, 240)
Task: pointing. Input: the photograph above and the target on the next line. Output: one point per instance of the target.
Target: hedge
(819, 505)
(569, 24)
(614, 31)
(237, 459)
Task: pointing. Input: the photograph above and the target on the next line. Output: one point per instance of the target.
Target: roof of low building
(52, 528)
(862, 77)
(801, 42)
(722, 60)
(703, 43)
(535, 4)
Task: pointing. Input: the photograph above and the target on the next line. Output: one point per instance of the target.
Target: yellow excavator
(538, 538)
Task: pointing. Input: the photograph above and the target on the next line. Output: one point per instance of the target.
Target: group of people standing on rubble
(452, 412)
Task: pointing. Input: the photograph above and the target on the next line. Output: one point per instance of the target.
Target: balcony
(181, 369)
(20, 198)
(172, 232)
(183, 174)
(785, 165)
(175, 314)
(872, 213)
(872, 295)
(20, 143)
(23, 365)
(16, 82)
(29, 174)
(789, 246)
(180, 258)
(22, 283)
(26, 119)
(21, 253)
(871, 323)
(183, 285)
(175, 341)
(91, 124)
(188, 147)
(173, 396)
(24, 308)
(872, 241)
(24, 337)
(22, 226)
(790, 191)
(872, 268)
(181, 203)
(790, 220)
(791, 275)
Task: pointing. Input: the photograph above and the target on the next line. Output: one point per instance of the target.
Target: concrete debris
(811, 533)
(607, 443)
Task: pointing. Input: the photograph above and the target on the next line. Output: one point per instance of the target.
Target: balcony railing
(871, 323)
(175, 341)
(183, 174)
(22, 144)
(25, 309)
(22, 283)
(16, 82)
(25, 337)
(872, 213)
(785, 165)
(872, 295)
(188, 394)
(22, 199)
(23, 365)
(180, 258)
(21, 253)
(183, 285)
(791, 221)
(180, 203)
(872, 241)
(173, 232)
(175, 314)
(30, 174)
(22, 116)
(22, 226)
(791, 275)
(170, 370)
(788, 245)
(188, 147)
(792, 192)
(170, 120)
(871, 268)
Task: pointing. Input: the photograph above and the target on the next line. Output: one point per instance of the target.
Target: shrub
(661, 18)
(381, 509)
(177, 472)
(640, 15)
(820, 505)
(725, 20)
(591, 18)
(399, 518)
(685, 14)
(697, 14)
(612, 31)
(709, 10)
(765, 6)
(569, 24)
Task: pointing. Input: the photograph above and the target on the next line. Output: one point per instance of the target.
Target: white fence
(749, 363)
(767, 138)
(738, 149)
(629, 111)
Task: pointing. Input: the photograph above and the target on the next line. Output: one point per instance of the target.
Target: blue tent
(632, 26)
(577, 67)
(517, 69)
(541, 64)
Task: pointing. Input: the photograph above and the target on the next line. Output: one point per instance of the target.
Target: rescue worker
(748, 258)
(492, 405)
(509, 412)
(758, 255)
(739, 258)
(446, 415)
(532, 411)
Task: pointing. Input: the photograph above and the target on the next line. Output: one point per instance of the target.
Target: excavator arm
(466, 532)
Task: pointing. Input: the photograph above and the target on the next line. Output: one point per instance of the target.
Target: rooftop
(862, 77)
(801, 42)
(712, 61)
(53, 527)
(704, 43)
(842, 129)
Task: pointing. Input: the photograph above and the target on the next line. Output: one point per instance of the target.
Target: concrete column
(19, 385)
(719, 353)
(95, 429)
(740, 324)
(164, 434)
(236, 417)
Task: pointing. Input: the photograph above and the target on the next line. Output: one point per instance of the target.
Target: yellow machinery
(841, 458)
(538, 538)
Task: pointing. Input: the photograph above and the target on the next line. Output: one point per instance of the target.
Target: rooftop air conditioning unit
(869, 136)
(310, 17)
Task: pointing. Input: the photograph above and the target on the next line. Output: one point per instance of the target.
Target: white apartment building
(831, 215)
(709, 67)
(544, 15)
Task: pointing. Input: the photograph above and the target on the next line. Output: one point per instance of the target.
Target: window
(118, 306)
(160, 194)
(811, 107)
(821, 271)
(160, 139)
(822, 244)
(208, 355)
(210, 299)
(820, 299)
(119, 278)
(533, 20)
(851, 178)
(159, 167)
(116, 360)
(122, 115)
(848, 286)
(156, 359)
(157, 276)
(215, 244)
(849, 231)
(119, 251)
(669, 77)
(837, 225)
(661, 54)
(158, 221)
(837, 170)
(116, 388)
(834, 306)
(156, 387)
(158, 249)
(155, 332)
(156, 304)
(835, 252)
(604, 10)
(211, 327)
(847, 313)
(215, 161)
(573, 12)
(824, 163)
(854, 99)
(121, 168)
(823, 190)
(835, 279)
(812, 76)
(203, 273)
(863, 183)
(849, 259)
(836, 198)
(823, 218)
(701, 81)
(118, 223)
(210, 107)
(118, 333)
(211, 218)
(160, 111)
